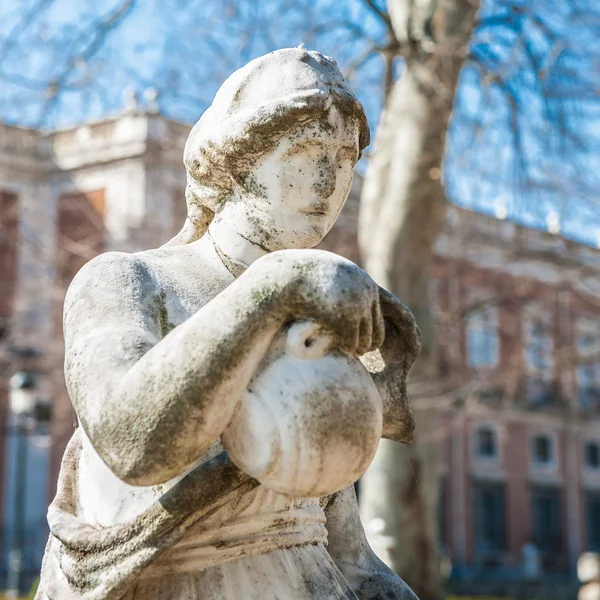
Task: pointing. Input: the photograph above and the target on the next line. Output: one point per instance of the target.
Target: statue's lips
(319, 211)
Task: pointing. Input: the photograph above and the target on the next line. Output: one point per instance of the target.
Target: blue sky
(185, 48)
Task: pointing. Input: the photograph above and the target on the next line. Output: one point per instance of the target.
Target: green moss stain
(163, 314)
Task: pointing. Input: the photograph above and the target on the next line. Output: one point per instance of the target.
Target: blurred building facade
(65, 196)
(518, 322)
(518, 315)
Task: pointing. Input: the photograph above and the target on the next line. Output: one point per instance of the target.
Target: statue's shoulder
(115, 268)
(112, 277)
(129, 284)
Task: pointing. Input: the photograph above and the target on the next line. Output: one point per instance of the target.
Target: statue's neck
(238, 248)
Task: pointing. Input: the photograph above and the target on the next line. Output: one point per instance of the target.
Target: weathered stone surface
(318, 408)
(224, 410)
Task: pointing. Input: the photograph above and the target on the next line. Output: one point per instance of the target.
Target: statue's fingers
(378, 335)
(351, 336)
(365, 335)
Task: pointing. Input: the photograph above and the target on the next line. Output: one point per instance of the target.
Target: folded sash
(83, 562)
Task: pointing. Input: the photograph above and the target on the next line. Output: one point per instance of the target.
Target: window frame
(539, 378)
(543, 467)
(500, 526)
(591, 495)
(587, 395)
(494, 428)
(484, 322)
(585, 445)
(554, 545)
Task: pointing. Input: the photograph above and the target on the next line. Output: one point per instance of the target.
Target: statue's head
(280, 140)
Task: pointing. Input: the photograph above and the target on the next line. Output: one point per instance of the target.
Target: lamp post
(27, 412)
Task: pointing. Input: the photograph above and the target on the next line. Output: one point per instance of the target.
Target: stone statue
(224, 412)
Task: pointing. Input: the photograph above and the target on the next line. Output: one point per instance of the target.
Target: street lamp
(28, 411)
(22, 394)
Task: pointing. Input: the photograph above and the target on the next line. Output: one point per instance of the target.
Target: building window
(539, 354)
(80, 232)
(546, 519)
(9, 248)
(591, 455)
(486, 443)
(442, 505)
(482, 338)
(592, 516)
(542, 450)
(587, 372)
(489, 512)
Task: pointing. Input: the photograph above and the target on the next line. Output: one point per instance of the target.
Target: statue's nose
(326, 186)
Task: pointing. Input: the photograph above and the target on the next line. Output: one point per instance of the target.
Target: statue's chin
(314, 236)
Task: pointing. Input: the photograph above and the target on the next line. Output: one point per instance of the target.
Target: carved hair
(255, 107)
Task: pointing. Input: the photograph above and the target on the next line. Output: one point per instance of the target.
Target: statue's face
(297, 191)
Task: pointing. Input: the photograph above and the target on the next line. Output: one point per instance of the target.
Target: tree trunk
(402, 210)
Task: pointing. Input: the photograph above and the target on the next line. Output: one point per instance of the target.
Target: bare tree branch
(97, 34)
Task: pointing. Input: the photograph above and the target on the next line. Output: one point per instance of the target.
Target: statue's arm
(150, 403)
(368, 576)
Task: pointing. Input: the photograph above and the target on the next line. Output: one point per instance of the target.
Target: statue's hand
(332, 291)
(390, 365)
(403, 337)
